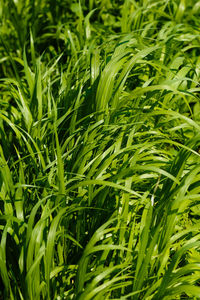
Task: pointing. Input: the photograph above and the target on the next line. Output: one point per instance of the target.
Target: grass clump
(99, 152)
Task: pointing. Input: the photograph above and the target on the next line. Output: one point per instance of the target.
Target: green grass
(99, 150)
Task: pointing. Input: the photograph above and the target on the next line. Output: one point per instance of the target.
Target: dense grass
(99, 149)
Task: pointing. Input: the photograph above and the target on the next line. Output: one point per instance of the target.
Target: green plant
(99, 150)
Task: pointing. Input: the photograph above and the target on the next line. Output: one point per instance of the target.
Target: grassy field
(99, 149)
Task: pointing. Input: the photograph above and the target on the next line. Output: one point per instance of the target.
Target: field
(99, 149)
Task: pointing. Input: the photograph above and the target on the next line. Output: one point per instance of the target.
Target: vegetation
(99, 149)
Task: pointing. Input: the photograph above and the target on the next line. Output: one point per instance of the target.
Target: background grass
(99, 149)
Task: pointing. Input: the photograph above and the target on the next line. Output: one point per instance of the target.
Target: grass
(99, 150)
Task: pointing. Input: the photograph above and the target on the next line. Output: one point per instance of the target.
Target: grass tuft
(99, 150)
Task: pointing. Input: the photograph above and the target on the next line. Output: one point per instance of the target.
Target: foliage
(99, 149)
